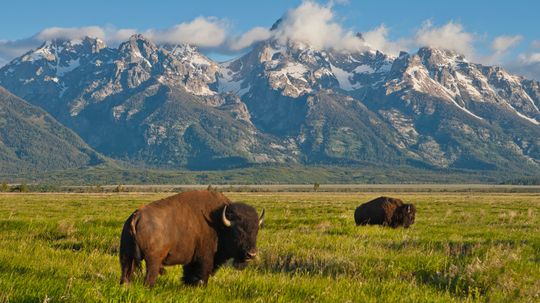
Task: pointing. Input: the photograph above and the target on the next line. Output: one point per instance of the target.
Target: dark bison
(385, 211)
(199, 229)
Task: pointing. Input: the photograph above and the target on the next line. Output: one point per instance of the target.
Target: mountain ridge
(170, 106)
(33, 141)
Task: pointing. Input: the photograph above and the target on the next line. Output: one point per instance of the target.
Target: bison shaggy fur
(199, 229)
(385, 211)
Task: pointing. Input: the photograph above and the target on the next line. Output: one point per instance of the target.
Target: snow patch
(344, 78)
(363, 69)
(533, 121)
(70, 65)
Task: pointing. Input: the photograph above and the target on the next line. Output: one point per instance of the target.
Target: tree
(119, 188)
(23, 188)
(4, 187)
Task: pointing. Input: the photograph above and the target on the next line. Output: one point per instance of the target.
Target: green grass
(464, 247)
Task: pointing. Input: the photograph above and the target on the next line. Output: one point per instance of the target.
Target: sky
(495, 32)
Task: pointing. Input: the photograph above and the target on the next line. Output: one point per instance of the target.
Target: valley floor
(464, 247)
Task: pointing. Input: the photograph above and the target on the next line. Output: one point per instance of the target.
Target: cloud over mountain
(310, 23)
(203, 31)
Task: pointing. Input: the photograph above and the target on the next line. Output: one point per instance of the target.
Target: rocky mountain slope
(170, 106)
(32, 140)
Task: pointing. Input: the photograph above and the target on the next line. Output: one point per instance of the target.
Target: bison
(199, 229)
(385, 211)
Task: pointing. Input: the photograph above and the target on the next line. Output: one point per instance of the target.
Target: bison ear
(226, 221)
(261, 218)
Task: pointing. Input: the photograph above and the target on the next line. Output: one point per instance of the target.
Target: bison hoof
(194, 282)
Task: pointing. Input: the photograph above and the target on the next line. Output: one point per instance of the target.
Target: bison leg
(197, 273)
(126, 273)
(128, 267)
(153, 267)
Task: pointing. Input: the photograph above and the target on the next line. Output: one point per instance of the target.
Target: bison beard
(385, 211)
(200, 230)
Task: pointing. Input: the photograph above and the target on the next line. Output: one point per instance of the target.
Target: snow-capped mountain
(171, 106)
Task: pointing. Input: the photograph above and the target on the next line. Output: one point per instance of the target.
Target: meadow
(464, 247)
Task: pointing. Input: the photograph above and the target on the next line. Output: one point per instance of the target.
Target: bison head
(404, 215)
(241, 227)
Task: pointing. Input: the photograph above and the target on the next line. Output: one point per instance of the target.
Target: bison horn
(261, 218)
(226, 221)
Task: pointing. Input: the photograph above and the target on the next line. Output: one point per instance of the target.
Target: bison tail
(130, 252)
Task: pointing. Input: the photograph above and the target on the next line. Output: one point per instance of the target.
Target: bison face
(408, 214)
(404, 215)
(242, 223)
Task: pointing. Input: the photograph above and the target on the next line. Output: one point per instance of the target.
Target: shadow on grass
(293, 264)
(452, 281)
(457, 249)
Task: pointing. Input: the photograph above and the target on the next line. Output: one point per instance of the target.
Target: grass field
(464, 247)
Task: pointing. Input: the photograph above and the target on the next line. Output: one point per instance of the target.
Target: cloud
(248, 38)
(527, 65)
(500, 47)
(503, 43)
(451, 36)
(378, 39)
(310, 23)
(315, 24)
(10, 49)
(70, 33)
(205, 32)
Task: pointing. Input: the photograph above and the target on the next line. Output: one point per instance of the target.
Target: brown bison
(385, 211)
(199, 229)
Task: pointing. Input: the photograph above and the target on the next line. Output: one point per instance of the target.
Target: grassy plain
(464, 247)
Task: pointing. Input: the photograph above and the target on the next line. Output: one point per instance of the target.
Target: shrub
(118, 189)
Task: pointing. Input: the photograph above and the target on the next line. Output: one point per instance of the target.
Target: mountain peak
(169, 104)
(138, 37)
(276, 24)
(439, 54)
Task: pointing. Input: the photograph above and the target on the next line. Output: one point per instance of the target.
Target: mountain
(150, 105)
(169, 106)
(33, 141)
(432, 108)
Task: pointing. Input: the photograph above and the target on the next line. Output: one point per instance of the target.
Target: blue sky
(483, 20)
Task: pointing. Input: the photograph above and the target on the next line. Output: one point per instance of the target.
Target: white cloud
(204, 32)
(315, 24)
(114, 36)
(311, 23)
(500, 47)
(527, 65)
(503, 43)
(10, 49)
(378, 39)
(451, 36)
(248, 38)
(70, 33)
(530, 58)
